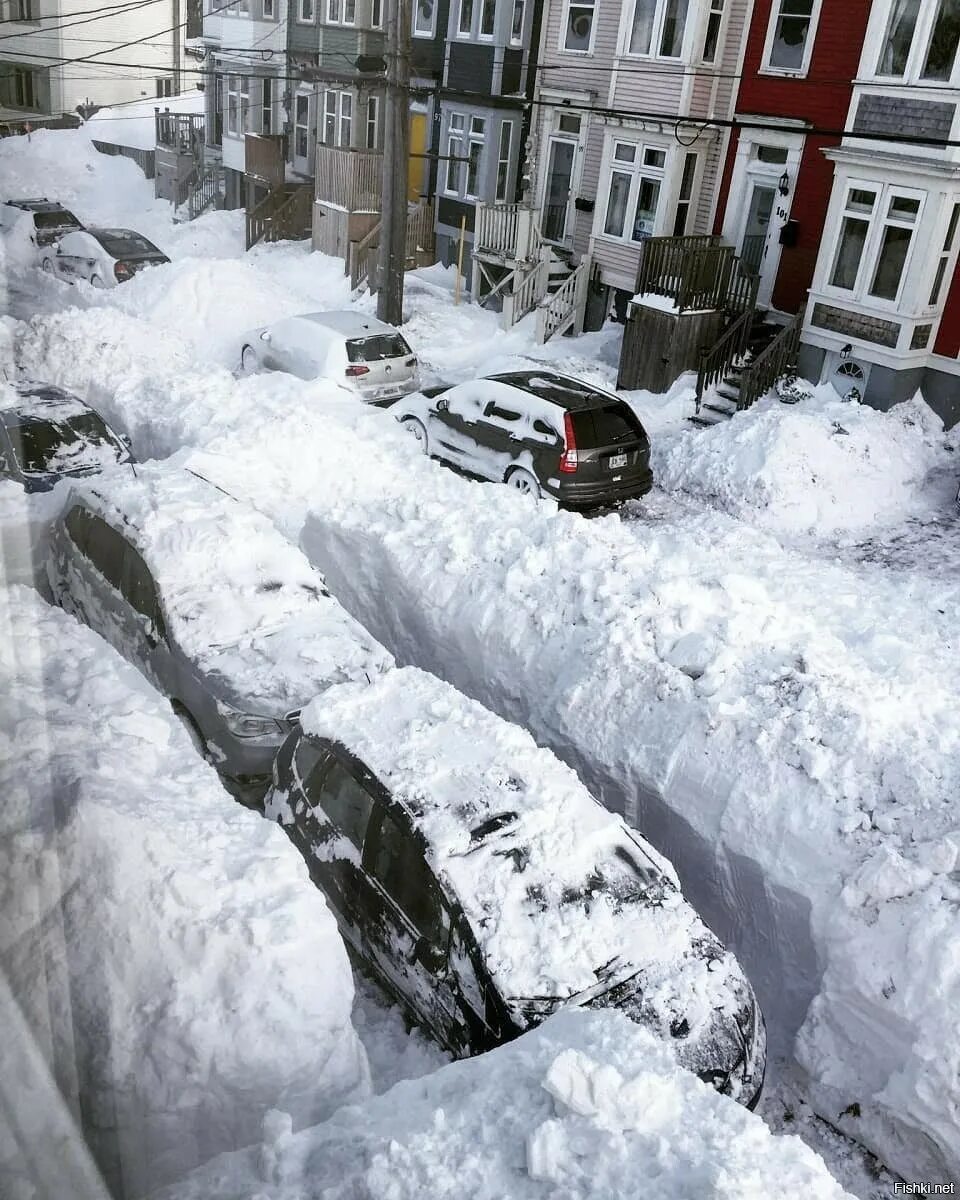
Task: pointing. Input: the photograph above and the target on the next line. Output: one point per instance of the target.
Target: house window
(466, 17)
(790, 38)
(636, 178)
(233, 104)
(22, 10)
(164, 87)
(661, 24)
(942, 51)
(338, 119)
(772, 154)
(305, 11)
(333, 12)
(244, 103)
(516, 25)
(488, 13)
(266, 107)
(267, 10)
(944, 257)
(301, 127)
(578, 26)
(24, 88)
(455, 152)
(686, 195)
(474, 154)
(423, 18)
(373, 122)
(899, 37)
(376, 14)
(711, 39)
(874, 246)
(503, 160)
(341, 12)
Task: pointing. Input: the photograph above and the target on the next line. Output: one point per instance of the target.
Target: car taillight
(122, 271)
(357, 369)
(568, 459)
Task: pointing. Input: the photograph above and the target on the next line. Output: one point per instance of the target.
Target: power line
(80, 12)
(131, 6)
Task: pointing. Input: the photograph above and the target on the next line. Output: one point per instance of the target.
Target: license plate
(616, 460)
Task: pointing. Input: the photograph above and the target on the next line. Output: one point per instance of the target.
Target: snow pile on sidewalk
(177, 966)
(134, 124)
(588, 1105)
(826, 465)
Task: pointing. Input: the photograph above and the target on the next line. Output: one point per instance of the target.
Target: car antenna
(204, 479)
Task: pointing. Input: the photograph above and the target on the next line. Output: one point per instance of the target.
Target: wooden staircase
(362, 259)
(285, 213)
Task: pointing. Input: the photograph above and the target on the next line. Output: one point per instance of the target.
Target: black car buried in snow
(485, 888)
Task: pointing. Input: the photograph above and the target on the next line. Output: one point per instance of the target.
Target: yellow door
(416, 169)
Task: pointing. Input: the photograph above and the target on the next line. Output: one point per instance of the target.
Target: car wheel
(412, 425)
(193, 730)
(249, 360)
(46, 264)
(523, 481)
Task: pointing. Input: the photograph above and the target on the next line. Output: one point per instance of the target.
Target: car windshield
(377, 347)
(44, 445)
(605, 426)
(56, 220)
(126, 245)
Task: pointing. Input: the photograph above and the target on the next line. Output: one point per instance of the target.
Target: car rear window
(132, 246)
(605, 426)
(56, 220)
(377, 347)
(41, 445)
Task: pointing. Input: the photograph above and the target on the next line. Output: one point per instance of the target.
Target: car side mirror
(443, 404)
(265, 336)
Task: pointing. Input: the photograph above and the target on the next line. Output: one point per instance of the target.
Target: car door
(92, 577)
(288, 348)
(145, 631)
(452, 418)
(72, 257)
(499, 435)
(406, 924)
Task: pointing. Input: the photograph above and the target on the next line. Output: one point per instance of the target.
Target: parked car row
(433, 864)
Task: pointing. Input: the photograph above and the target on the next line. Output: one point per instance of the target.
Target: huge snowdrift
(177, 967)
(588, 1105)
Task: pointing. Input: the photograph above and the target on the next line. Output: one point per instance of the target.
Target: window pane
(861, 201)
(466, 15)
(579, 24)
(617, 204)
(952, 228)
(771, 154)
(487, 14)
(853, 235)
(623, 152)
(904, 208)
(473, 167)
(938, 281)
(896, 49)
(453, 167)
(423, 21)
(350, 11)
(790, 35)
(642, 26)
(712, 39)
(893, 255)
(346, 803)
(654, 158)
(674, 23)
(647, 197)
(943, 43)
(516, 28)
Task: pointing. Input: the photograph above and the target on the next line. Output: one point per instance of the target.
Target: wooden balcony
(265, 158)
(349, 179)
(182, 132)
(508, 232)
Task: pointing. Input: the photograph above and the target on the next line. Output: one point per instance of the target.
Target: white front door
(758, 248)
(558, 195)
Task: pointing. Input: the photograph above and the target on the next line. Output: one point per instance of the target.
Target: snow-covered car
(43, 221)
(103, 257)
(361, 353)
(215, 607)
(47, 434)
(542, 433)
(485, 887)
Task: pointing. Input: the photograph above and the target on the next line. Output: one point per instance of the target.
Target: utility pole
(177, 44)
(396, 154)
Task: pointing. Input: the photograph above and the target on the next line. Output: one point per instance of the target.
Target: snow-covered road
(755, 663)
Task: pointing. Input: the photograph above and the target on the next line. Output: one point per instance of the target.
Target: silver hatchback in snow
(359, 352)
(219, 611)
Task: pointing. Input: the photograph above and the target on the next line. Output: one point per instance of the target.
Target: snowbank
(825, 466)
(588, 1105)
(133, 124)
(176, 965)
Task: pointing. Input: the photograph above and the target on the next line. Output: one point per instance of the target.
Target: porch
(349, 179)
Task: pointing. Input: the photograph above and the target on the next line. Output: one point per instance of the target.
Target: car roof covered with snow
(39, 205)
(352, 324)
(240, 600)
(43, 401)
(563, 390)
(561, 896)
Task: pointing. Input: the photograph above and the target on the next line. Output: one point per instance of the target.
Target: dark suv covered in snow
(46, 219)
(485, 888)
(539, 432)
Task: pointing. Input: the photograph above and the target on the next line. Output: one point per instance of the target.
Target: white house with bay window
(881, 313)
(623, 146)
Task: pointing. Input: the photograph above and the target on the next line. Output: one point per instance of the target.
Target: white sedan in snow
(103, 257)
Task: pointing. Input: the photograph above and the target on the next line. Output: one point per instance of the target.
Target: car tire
(46, 264)
(522, 481)
(415, 427)
(249, 360)
(193, 730)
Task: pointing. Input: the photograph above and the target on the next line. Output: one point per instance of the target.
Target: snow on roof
(241, 600)
(353, 323)
(206, 979)
(133, 124)
(586, 1107)
(553, 885)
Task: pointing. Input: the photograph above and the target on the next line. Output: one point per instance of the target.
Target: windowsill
(899, 81)
(866, 304)
(659, 58)
(785, 72)
(613, 240)
(423, 36)
(576, 53)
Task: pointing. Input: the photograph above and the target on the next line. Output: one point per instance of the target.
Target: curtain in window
(648, 196)
(853, 236)
(617, 204)
(674, 23)
(896, 49)
(943, 43)
(642, 32)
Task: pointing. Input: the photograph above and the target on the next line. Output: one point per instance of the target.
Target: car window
(345, 801)
(78, 527)
(138, 587)
(55, 220)
(105, 549)
(612, 423)
(503, 414)
(311, 760)
(125, 245)
(400, 869)
(377, 347)
(545, 430)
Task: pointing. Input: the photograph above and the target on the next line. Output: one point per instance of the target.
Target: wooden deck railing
(777, 359)
(694, 272)
(204, 192)
(283, 213)
(564, 309)
(718, 358)
(265, 157)
(510, 231)
(419, 246)
(350, 179)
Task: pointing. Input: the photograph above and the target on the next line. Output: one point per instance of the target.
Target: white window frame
(232, 119)
(164, 86)
(24, 87)
(24, 12)
(306, 12)
(338, 111)
(267, 10)
(376, 14)
(521, 7)
(266, 105)
(918, 52)
(766, 68)
(304, 125)
(481, 7)
(456, 137)
(372, 123)
(342, 12)
(461, 10)
(564, 24)
(503, 161)
(431, 30)
(638, 170)
(475, 137)
(877, 222)
(657, 31)
(718, 9)
(941, 278)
